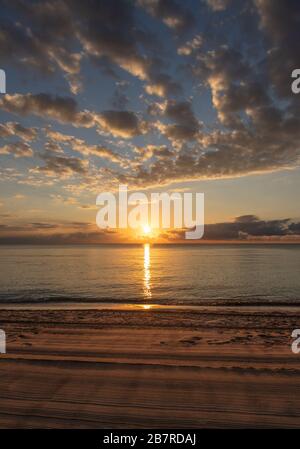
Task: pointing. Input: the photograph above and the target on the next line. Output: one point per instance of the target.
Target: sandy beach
(140, 368)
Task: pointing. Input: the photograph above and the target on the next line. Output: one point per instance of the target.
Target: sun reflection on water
(147, 272)
(146, 306)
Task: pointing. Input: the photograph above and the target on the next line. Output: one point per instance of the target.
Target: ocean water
(181, 275)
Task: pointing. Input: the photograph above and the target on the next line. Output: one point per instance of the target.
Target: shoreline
(119, 306)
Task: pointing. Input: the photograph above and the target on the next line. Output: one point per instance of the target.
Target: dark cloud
(62, 109)
(63, 166)
(280, 21)
(121, 123)
(181, 112)
(43, 36)
(179, 132)
(162, 152)
(43, 233)
(65, 110)
(294, 228)
(247, 227)
(186, 125)
(108, 30)
(71, 238)
(236, 87)
(37, 226)
(36, 39)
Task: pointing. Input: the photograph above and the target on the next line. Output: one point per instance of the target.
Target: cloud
(121, 123)
(69, 238)
(40, 226)
(112, 33)
(159, 152)
(62, 109)
(162, 85)
(125, 124)
(61, 199)
(254, 130)
(17, 149)
(53, 147)
(295, 228)
(234, 84)
(189, 47)
(218, 5)
(56, 136)
(80, 146)
(11, 129)
(99, 151)
(258, 135)
(280, 21)
(247, 227)
(171, 12)
(186, 126)
(222, 155)
(57, 36)
(109, 30)
(63, 166)
(48, 233)
(181, 112)
(179, 132)
(37, 38)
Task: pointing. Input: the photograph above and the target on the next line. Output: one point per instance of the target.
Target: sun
(146, 229)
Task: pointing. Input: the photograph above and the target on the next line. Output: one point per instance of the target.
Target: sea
(210, 274)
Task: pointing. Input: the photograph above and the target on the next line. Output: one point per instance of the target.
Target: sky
(160, 95)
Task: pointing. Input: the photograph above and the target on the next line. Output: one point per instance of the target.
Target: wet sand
(157, 368)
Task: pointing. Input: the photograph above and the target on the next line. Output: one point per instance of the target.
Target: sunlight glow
(146, 229)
